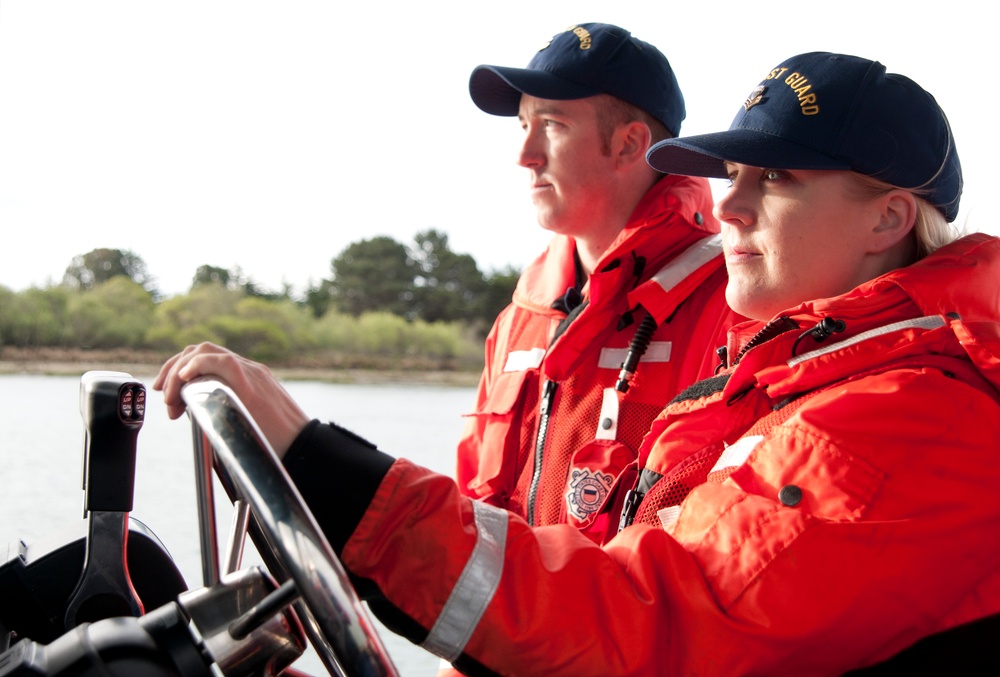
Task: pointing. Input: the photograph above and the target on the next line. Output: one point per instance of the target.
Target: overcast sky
(270, 135)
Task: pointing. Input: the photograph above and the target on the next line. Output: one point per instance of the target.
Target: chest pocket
(500, 419)
(504, 393)
(791, 479)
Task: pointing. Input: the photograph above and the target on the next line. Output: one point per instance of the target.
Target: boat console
(105, 598)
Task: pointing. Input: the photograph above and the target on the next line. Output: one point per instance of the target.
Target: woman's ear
(897, 214)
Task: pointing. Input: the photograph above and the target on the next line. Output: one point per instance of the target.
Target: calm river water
(41, 445)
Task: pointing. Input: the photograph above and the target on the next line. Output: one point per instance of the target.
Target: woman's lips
(738, 255)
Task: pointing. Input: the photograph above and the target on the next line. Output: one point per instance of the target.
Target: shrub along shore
(117, 325)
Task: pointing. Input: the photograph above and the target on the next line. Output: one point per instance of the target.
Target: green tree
(114, 314)
(290, 319)
(207, 274)
(233, 279)
(253, 289)
(34, 317)
(100, 265)
(182, 320)
(319, 298)
(257, 339)
(500, 286)
(372, 275)
(448, 286)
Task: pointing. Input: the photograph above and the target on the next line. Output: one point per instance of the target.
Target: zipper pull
(636, 349)
(632, 500)
(547, 396)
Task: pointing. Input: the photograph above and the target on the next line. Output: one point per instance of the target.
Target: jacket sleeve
(337, 473)
(886, 546)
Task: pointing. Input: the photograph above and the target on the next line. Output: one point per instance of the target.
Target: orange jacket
(840, 534)
(559, 466)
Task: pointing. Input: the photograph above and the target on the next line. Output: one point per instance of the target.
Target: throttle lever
(113, 407)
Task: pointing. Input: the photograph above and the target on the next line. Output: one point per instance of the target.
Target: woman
(825, 501)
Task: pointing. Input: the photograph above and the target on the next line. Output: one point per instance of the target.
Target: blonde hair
(931, 229)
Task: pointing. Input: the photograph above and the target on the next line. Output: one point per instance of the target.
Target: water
(41, 444)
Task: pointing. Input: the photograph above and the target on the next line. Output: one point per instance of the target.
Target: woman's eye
(773, 175)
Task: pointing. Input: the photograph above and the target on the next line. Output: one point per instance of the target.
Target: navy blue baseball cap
(832, 111)
(586, 60)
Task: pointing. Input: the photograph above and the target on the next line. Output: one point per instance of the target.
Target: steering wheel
(284, 531)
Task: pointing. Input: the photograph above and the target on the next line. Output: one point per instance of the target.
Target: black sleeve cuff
(337, 473)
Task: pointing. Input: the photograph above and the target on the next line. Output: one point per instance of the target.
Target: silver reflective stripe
(523, 360)
(668, 517)
(926, 322)
(690, 260)
(737, 453)
(475, 587)
(657, 351)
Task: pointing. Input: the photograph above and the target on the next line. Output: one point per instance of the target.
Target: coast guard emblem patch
(587, 491)
(755, 97)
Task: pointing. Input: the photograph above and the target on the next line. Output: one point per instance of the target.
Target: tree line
(385, 304)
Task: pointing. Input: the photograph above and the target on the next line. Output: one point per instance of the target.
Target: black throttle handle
(113, 406)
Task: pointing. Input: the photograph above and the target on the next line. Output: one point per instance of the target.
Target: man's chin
(548, 221)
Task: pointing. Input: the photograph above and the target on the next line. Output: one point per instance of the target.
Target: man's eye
(773, 174)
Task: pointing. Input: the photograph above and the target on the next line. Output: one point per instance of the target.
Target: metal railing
(285, 533)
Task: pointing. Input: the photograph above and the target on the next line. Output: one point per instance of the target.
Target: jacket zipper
(548, 395)
(633, 497)
(775, 327)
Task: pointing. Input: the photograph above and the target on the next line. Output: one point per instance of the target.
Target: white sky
(271, 135)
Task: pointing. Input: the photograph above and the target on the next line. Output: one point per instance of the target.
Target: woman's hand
(277, 414)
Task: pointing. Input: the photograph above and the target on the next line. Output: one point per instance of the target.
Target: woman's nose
(734, 207)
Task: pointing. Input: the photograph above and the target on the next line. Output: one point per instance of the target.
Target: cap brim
(705, 154)
(497, 90)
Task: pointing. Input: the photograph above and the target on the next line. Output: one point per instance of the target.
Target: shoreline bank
(145, 365)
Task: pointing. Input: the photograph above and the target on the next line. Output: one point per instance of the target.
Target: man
(823, 503)
(634, 265)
